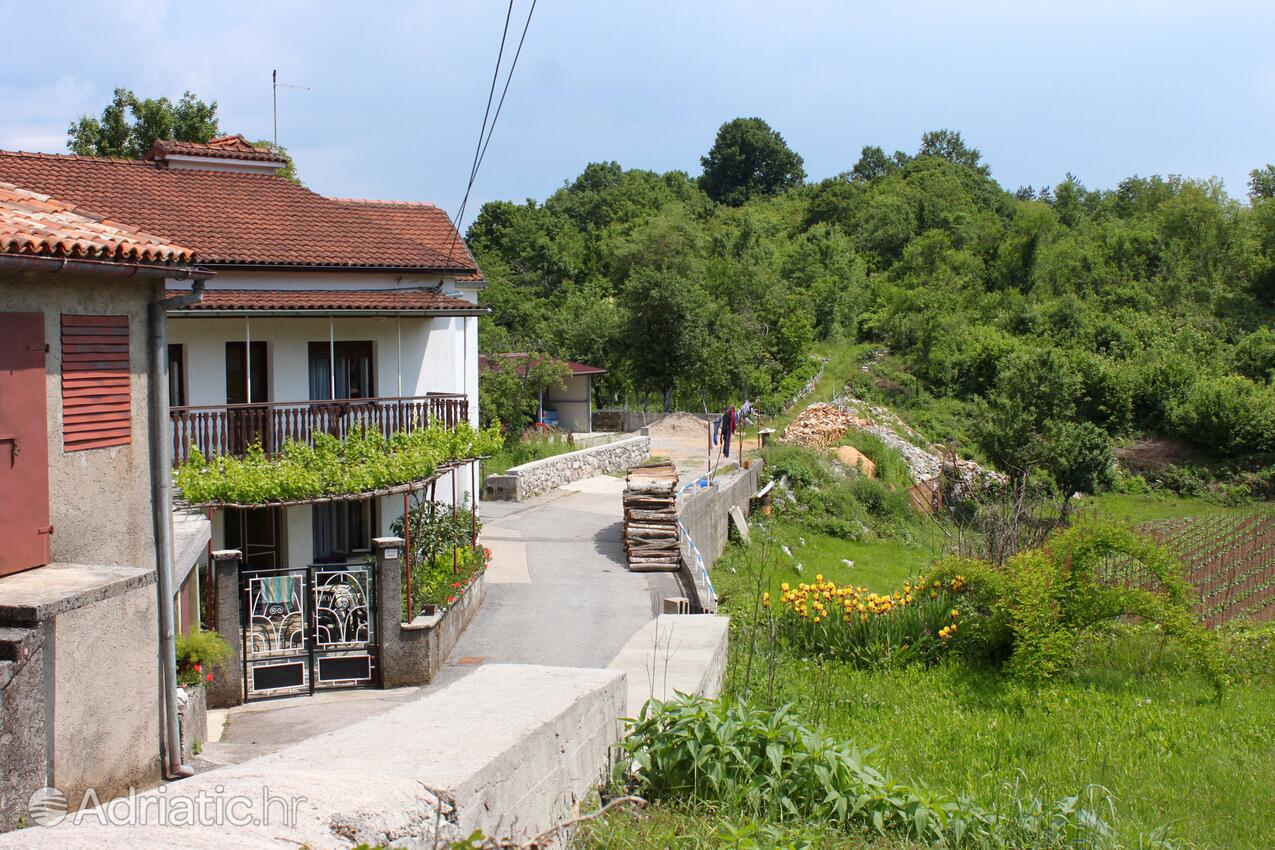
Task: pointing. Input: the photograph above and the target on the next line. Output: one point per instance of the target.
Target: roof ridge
(77, 156)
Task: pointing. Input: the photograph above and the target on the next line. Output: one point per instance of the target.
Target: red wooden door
(24, 444)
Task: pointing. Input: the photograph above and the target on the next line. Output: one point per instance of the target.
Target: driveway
(558, 590)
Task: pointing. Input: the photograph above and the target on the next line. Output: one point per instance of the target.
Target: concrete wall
(23, 747)
(705, 516)
(106, 699)
(79, 674)
(541, 476)
(99, 498)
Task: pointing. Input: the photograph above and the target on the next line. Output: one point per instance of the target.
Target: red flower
(455, 584)
(210, 677)
(451, 599)
(198, 669)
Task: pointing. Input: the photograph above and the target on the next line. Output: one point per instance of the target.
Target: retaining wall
(508, 749)
(541, 476)
(705, 516)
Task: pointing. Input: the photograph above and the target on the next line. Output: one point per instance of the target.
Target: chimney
(223, 153)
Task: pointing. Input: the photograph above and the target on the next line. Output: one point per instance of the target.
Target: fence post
(226, 688)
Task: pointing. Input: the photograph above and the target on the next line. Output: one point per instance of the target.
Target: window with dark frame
(176, 375)
(354, 377)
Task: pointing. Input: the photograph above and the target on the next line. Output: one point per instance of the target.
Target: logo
(47, 806)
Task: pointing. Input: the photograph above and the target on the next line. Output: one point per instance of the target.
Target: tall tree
(749, 160)
(949, 145)
(1261, 182)
(129, 125)
(663, 326)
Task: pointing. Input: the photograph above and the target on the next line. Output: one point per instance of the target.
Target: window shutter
(96, 394)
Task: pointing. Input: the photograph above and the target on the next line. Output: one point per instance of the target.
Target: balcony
(229, 429)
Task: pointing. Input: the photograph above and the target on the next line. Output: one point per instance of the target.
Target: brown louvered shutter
(96, 408)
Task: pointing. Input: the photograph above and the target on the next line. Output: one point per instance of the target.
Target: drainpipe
(162, 509)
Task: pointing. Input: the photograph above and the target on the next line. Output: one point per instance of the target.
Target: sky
(396, 90)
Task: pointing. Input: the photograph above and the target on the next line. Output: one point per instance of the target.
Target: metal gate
(308, 629)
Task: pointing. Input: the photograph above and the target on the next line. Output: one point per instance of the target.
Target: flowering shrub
(440, 584)
(198, 654)
(914, 624)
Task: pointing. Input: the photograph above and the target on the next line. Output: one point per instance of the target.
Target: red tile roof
(221, 147)
(334, 300)
(484, 362)
(250, 220)
(33, 223)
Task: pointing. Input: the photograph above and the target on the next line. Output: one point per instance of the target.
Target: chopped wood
(650, 517)
(820, 425)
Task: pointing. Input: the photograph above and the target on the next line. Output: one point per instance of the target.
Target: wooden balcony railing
(229, 429)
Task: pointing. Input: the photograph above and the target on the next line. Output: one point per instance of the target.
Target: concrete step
(674, 653)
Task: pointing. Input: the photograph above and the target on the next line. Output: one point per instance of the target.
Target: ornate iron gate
(307, 629)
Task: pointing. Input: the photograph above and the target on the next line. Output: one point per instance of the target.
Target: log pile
(820, 425)
(650, 517)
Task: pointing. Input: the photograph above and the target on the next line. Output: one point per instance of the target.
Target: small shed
(568, 406)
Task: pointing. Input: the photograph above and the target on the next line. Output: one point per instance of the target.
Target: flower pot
(429, 610)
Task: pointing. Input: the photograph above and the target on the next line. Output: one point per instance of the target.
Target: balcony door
(341, 370)
(248, 375)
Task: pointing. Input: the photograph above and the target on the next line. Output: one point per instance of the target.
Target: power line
(485, 133)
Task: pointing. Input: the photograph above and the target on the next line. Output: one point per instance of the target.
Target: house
(296, 315)
(92, 563)
(569, 405)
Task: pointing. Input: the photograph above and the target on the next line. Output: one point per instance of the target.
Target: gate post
(404, 646)
(226, 688)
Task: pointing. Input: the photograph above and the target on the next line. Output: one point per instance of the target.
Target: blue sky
(397, 89)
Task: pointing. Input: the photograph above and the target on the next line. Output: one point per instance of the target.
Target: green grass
(1133, 719)
(523, 452)
(1134, 508)
(878, 565)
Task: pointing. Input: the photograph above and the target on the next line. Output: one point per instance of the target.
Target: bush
(198, 653)
(1229, 415)
(1031, 613)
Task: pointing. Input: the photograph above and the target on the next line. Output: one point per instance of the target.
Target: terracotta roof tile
(264, 300)
(221, 147)
(229, 218)
(484, 362)
(34, 223)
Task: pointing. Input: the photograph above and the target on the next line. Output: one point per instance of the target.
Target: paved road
(558, 591)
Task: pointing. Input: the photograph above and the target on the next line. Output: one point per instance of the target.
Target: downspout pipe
(162, 509)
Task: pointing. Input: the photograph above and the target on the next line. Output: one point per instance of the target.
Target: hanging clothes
(717, 427)
(728, 426)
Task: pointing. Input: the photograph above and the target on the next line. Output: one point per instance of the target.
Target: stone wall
(541, 476)
(705, 516)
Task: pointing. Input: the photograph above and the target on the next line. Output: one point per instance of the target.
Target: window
(342, 530)
(176, 376)
(353, 362)
(237, 371)
(96, 399)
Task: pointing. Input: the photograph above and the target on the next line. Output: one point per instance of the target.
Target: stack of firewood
(650, 517)
(820, 425)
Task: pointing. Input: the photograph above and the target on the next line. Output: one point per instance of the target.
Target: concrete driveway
(558, 590)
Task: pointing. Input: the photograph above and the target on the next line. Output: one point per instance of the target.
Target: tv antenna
(274, 79)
